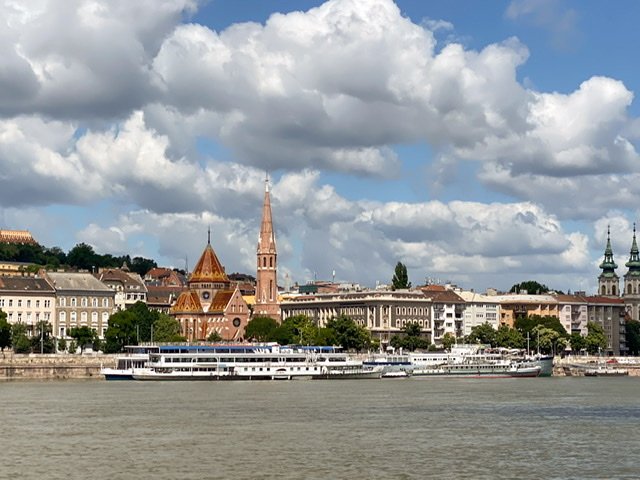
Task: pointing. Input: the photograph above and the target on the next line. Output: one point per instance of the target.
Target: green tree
(260, 328)
(633, 337)
(596, 340)
(142, 265)
(298, 329)
(5, 331)
(484, 334)
(41, 340)
(62, 345)
(448, 340)
(546, 339)
(214, 337)
(82, 256)
(120, 332)
(507, 337)
(527, 324)
(349, 334)
(411, 338)
(83, 336)
(19, 338)
(578, 342)
(400, 278)
(144, 319)
(167, 329)
(530, 286)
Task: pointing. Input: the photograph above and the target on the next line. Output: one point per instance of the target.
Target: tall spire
(634, 257)
(267, 302)
(209, 235)
(266, 240)
(608, 266)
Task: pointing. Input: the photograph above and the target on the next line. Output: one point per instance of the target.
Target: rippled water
(562, 428)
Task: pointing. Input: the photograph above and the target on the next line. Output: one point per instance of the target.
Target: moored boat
(252, 362)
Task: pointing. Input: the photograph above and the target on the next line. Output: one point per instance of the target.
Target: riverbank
(53, 366)
(576, 366)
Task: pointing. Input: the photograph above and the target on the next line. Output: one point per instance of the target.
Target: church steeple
(608, 266)
(608, 281)
(634, 258)
(266, 279)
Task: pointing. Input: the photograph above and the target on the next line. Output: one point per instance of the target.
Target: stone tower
(267, 303)
(631, 292)
(608, 281)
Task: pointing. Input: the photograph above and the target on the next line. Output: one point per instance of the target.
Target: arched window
(271, 261)
(83, 317)
(73, 317)
(63, 317)
(264, 261)
(94, 317)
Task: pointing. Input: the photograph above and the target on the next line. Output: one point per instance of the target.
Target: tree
(82, 256)
(83, 336)
(596, 340)
(42, 339)
(411, 339)
(214, 337)
(62, 345)
(19, 339)
(400, 278)
(633, 337)
(349, 334)
(526, 324)
(120, 332)
(167, 329)
(144, 319)
(5, 331)
(299, 329)
(484, 334)
(546, 339)
(530, 286)
(142, 265)
(448, 340)
(260, 328)
(507, 337)
(578, 342)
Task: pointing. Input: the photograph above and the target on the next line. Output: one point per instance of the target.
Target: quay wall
(53, 366)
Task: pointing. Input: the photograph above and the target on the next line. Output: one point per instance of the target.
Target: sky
(478, 143)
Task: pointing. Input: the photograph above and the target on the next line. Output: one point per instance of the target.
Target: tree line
(81, 257)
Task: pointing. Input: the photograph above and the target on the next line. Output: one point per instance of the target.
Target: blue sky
(482, 143)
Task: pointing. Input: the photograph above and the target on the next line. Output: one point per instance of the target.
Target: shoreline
(17, 367)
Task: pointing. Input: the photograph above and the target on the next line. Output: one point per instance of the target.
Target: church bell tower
(267, 303)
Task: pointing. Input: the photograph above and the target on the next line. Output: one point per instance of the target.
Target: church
(213, 303)
(609, 281)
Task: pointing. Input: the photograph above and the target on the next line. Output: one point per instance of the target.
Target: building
(573, 313)
(383, 312)
(20, 237)
(266, 293)
(211, 302)
(27, 300)
(631, 289)
(20, 269)
(610, 313)
(447, 314)
(516, 305)
(165, 277)
(162, 298)
(608, 280)
(81, 300)
(478, 310)
(129, 286)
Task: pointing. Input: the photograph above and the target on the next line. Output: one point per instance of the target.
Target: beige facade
(81, 300)
(478, 310)
(383, 313)
(27, 300)
(128, 286)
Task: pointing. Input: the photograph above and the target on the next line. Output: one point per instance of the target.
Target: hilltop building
(20, 237)
(211, 302)
(266, 295)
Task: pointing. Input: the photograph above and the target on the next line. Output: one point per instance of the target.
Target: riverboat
(135, 358)
(251, 362)
(471, 361)
(607, 371)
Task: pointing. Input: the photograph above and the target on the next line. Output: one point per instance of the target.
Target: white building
(479, 309)
(27, 300)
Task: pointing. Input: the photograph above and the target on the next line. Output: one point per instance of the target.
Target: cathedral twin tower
(609, 281)
(267, 303)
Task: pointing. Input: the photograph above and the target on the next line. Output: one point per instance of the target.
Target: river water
(543, 428)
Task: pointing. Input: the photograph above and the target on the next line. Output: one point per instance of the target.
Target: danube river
(544, 428)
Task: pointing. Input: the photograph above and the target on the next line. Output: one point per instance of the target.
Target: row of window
(62, 317)
(84, 302)
(28, 317)
(27, 303)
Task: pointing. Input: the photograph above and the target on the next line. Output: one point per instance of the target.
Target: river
(543, 428)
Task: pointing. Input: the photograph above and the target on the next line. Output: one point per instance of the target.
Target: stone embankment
(575, 366)
(53, 366)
